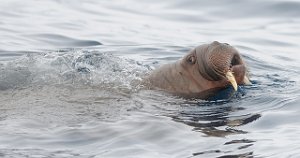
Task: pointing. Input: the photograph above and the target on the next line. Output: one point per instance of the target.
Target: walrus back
(163, 77)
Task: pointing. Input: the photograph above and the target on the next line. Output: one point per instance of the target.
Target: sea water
(69, 74)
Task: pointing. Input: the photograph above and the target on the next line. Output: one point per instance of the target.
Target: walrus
(202, 72)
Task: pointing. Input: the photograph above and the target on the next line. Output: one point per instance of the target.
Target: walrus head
(202, 72)
(218, 62)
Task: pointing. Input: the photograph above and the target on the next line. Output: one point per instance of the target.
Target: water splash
(76, 68)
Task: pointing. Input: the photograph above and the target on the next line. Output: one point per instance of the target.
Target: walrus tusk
(231, 79)
(246, 81)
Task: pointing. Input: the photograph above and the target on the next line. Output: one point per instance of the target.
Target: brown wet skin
(201, 72)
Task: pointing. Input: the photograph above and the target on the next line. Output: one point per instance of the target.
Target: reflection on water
(71, 73)
(208, 122)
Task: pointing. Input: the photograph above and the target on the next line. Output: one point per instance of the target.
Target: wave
(81, 67)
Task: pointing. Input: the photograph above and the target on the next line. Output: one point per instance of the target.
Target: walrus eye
(191, 60)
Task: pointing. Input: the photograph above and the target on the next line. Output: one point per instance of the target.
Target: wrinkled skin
(202, 72)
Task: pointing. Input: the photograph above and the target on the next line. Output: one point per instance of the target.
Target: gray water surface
(70, 73)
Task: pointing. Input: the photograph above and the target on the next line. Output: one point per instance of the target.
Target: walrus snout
(216, 59)
(208, 66)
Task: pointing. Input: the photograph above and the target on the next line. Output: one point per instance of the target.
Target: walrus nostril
(236, 60)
